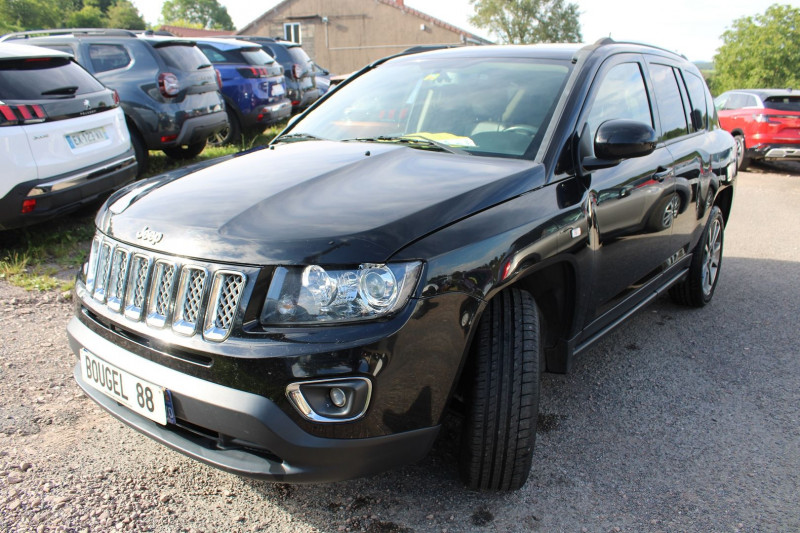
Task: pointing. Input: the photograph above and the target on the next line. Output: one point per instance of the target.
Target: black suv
(426, 237)
(299, 70)
(167, 87)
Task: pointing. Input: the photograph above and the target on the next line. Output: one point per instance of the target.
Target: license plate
(277, 90)
(85, 138)
(138, 395)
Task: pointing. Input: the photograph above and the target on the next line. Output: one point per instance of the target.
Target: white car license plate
(136, 394)
(87, 137)
(277, 90)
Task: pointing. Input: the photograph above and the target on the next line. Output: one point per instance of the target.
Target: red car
(764, 122)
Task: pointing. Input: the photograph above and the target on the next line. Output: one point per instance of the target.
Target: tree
(124, 15)
(88, 17)
(528, 21)
(761, 51)
(16, 15)
(209, 13)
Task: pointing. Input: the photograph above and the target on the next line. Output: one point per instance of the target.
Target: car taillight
(761, 117)
(168, 84)
(11, 115)
(219, 78)
(116, 98)
(297, 71)
(253, 72)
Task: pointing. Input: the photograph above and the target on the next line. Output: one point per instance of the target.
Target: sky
(690, 27)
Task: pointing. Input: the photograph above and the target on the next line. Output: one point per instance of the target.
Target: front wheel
(698, 287)
(185, 152)
(502, 395)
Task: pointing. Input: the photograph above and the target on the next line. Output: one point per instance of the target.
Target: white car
(63, 137)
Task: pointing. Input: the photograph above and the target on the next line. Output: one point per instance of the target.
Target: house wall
(356, 33)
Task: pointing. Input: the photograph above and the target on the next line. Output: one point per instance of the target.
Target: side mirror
(619, 139)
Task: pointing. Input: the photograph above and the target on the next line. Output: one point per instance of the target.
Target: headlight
(313, 294)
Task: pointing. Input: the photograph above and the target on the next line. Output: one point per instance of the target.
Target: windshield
(490, 106)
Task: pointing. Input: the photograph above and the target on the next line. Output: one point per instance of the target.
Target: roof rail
(111, 32)
(603, 41)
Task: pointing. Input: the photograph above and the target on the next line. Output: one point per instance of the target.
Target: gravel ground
(680, 420)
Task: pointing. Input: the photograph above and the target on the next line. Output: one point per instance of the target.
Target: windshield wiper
(296, 137)
(68, 90)
(414, 141)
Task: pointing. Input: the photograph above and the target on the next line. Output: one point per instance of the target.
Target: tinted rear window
(36, 79)
(258, 57)
(182, 56)
(783, 103)
(298, 55)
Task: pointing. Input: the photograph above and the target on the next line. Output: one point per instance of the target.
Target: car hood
(311, 202)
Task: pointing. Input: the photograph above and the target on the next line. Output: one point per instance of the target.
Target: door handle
(663, 173)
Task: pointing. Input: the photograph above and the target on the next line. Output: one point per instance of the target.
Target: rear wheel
(141, 152)
(698, 287)
(502, 395)
(185, 152)
(742, 161)
(231, 134)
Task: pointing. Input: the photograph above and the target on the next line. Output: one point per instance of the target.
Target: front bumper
(245, 433)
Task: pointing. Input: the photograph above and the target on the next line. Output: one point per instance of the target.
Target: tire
(185, 152)
(502, 395)
(742, 161)
(141, 152)
(230, 135)
(698, 287)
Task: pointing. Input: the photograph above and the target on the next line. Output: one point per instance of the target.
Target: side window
(735, 101)
(106, 57)
(211, 53)
(291, 32)
(670, 105)
(622, 94)
(697, 96)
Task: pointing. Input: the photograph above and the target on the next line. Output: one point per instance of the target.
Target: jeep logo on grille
(148, 235)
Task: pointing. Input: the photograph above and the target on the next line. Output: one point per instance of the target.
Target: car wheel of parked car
(185, 152)
(142, 154)
(742, 161)
(229, 135)
(502, 394)
(698, 287)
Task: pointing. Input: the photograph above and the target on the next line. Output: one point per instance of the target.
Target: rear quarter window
(182, 56)
(105, 57)
(33, 79)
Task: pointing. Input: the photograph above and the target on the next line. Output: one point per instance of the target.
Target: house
(345, 35)
(191, 33)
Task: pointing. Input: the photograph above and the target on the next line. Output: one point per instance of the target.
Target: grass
(47, 256)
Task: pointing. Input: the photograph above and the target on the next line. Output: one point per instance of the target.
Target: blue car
(253, 87)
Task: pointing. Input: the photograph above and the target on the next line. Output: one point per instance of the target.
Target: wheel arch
(724, 200)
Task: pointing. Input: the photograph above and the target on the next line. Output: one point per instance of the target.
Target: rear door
(631, 244)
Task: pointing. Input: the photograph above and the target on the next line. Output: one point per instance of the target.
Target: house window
(291, 32)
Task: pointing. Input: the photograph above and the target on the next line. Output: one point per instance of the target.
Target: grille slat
(225, 295)
(162, 292)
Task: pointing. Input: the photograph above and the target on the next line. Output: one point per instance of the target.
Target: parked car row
(764, 122)
(163, 93)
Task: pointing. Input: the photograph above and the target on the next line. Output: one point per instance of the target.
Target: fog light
(338, 397)
(331, 400)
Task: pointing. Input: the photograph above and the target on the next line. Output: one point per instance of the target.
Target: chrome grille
(103, 264)
(137, 287)
(160, 296)
(190, 300)
(225, 294)
(116, 281)
(160, 291)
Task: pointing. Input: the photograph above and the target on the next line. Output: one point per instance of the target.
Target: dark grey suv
(168, 89)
